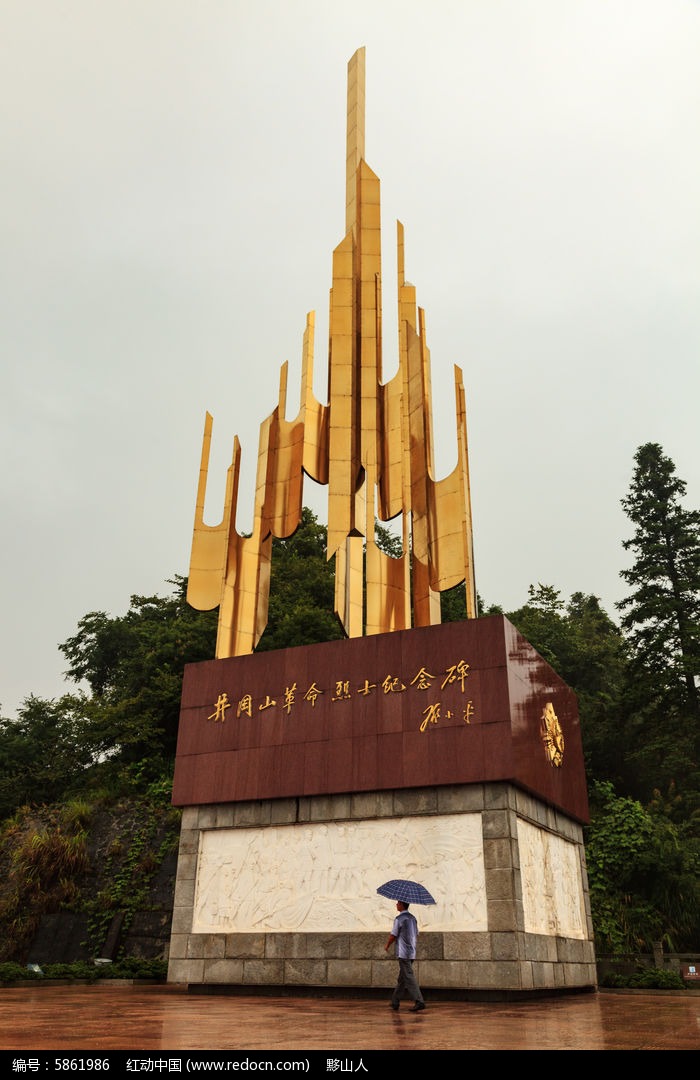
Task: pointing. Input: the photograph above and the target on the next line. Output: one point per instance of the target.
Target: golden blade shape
(372, 445)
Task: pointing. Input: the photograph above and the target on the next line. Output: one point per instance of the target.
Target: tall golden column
(372, 445)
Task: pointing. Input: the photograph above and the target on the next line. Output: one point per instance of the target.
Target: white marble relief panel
(324, 878)
(550, 870)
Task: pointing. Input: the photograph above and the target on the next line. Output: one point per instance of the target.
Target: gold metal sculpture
(372, 444)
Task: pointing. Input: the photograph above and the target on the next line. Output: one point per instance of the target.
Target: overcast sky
(172, 187)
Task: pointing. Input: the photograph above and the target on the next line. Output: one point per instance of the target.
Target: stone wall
(506, 956)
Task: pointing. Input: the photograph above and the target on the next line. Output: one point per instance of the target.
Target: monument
(450, 754)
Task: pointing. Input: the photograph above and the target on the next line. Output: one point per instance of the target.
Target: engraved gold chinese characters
(340, 691)
(372, 445)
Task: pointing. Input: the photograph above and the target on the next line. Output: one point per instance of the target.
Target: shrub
(11, 973)
(646, 979)
(131, 967)
(614, 979)
(657, 979)
(79, 970)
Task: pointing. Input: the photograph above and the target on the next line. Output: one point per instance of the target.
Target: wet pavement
(168, 1018)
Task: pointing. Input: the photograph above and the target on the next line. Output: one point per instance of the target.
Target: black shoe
(418, 1007)
(395, 1007)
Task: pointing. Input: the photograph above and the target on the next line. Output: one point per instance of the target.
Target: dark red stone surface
(347, 740)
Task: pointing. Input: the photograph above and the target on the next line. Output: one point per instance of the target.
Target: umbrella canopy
(408, 892)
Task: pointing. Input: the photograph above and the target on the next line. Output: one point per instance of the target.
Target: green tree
(302, 586)
(643, 874)
(45, 753)
(585, 647)
(133, 665)
(453, 604)
(661, 620)
(301, 608)
(542, 622)
(661, 616)
(387, 541)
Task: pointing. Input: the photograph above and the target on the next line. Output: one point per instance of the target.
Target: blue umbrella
(408, 892)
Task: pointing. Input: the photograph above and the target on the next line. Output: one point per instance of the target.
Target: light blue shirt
(405, 930)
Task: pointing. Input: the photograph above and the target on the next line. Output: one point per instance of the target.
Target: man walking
(405, 933)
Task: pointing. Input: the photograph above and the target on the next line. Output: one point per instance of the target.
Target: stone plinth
(517, 931)
(450, 755)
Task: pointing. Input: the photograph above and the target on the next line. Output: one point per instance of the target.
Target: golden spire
(372, 444)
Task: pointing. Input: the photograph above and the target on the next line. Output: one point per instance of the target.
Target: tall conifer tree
(662, 614)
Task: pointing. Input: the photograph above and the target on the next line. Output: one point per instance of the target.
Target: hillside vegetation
(88, 837)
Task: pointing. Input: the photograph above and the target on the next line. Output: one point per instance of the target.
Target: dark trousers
(406, 983)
